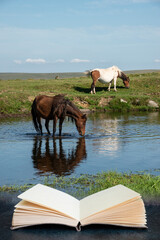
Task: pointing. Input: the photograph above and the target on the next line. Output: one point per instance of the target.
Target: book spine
(78, 227)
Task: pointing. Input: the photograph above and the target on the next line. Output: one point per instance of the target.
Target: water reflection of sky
(107, 143)
(112, 142)
(131, 142)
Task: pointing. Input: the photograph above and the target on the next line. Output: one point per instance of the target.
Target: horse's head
(81, 124)
(125, 79)
(126, 82)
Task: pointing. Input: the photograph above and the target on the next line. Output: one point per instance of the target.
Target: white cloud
(38, 60)
(60, 61)
(157, 60)
(77, 60)
(17, 61)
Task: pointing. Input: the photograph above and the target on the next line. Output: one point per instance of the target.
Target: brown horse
(54, 108)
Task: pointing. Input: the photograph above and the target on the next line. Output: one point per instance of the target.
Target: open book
(117, 205)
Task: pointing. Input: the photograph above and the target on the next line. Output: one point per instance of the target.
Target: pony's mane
(71, 118)
(61, 100)
(122, 75)
(72, 105)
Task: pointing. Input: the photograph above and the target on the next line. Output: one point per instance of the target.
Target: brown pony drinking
(54, 108)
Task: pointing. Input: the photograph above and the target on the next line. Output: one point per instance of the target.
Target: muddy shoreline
(14, 116)
(26, 115)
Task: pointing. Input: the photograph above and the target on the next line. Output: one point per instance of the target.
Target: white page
(105, 199)
(53, 199)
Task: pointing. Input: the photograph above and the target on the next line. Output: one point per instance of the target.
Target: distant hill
(142, 71)
(24, 76)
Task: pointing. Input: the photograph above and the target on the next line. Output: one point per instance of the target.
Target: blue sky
(72, 35)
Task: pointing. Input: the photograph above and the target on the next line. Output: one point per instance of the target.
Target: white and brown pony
(107, 76)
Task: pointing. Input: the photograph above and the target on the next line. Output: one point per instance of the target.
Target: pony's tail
(88, 73)
(34, 116)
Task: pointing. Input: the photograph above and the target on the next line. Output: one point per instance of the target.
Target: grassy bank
(16, 96)
(146, 184)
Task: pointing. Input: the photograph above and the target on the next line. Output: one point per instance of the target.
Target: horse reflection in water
(56, 160)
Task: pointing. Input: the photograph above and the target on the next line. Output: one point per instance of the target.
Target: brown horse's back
(44, 106)
(47, 106)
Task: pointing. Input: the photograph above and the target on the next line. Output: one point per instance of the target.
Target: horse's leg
(40, 125)
(46, 125)
(54, 125)
(115, 80)
(93, 88)
(95, 75)
(60, 125)
(109, 86)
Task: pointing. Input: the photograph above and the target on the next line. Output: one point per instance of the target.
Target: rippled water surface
(112, 142)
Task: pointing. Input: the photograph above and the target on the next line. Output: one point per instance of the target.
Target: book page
(105, 199)
(129, 213)
(28, 219)
(53, 199)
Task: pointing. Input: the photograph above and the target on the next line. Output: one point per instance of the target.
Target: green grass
(16, 96)
(146, 184)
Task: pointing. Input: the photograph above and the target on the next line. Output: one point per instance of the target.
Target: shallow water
(112, 142)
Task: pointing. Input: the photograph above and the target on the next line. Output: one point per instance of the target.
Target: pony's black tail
(34, 116)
